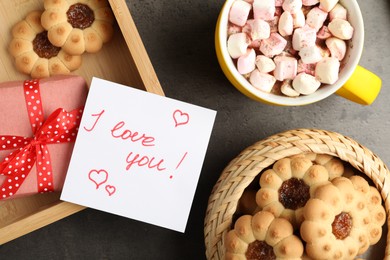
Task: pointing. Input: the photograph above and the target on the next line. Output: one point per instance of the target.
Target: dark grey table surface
(178, 35)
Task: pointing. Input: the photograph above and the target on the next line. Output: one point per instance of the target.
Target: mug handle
(362, 87)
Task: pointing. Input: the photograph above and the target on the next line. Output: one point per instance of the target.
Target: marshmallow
(239, 12)
(286, 24)
(310, 2)
(299, 19)
(264, 64)
(262, 81)
(273, 24)
(286, 67)
(324, 33)
(232, 29)
(260, 30)
(324, 51)
(328, 5)
(316, 17)
(341, 29)
(338, 12)
(274, 45)
(247, 63)
(310, 54)
(288, 90)
(304, 37)
(336, 47)
(278, 11)
(279, 3)
(305, 84)
(264, 9)
(292, 6)
(237, 45)
(327, 70)
(307, 68)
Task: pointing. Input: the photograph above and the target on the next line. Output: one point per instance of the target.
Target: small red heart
(110, 189)
(98, 177)
(180, 118)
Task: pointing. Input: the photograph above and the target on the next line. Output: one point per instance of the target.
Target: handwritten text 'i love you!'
(134, 148)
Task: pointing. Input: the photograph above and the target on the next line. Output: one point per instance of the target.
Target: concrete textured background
(178, 35)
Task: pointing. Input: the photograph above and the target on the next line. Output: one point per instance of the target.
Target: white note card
(138, 155)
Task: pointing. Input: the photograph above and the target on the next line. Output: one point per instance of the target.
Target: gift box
(39, 123)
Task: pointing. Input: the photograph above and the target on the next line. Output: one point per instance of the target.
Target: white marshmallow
(328, 5)
(310, 54)
(239, 12)
(316, 18)
(260, 30)
(292, 6)
(288, 90)
(274, 45)
(286, 67)
(262, 81)
(247, 63)
(264, 64)
(336, 47)
(264, 9)
(305, 84)
(338, 12)
(304, 37)
(341, 29)
(286, 24)
(237, 45)
(299, 19)
(327, 70)
(324, 33)
(310, 2)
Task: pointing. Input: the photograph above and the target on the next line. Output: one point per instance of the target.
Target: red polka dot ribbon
(60, 127)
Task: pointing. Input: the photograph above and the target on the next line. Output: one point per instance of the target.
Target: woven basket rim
(242, 170)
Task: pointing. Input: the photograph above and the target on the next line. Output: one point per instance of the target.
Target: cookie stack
(308, 205)
(51, 42)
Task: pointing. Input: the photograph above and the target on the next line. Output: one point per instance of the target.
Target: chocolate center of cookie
(80, 16)
(294, 193)
(42, 46)
(342, 225)
(260, 250)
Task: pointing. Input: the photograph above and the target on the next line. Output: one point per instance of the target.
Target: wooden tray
(123, 60)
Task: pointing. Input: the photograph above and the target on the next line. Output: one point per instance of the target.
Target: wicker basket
(246, 166)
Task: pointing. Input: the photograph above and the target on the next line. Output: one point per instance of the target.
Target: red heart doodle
(180, 118)
(98, 177)
(110, 189)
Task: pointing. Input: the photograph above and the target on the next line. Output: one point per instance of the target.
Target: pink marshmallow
(279, 3)
(316, 18)
(292, 6)
(337, 47)
(286, 67)
(304, 37)
(247, 63)
(239, 12)
(338, 12)
(324, 33)
(310, 2)
(273, 24)
(262, 81)
(274, 45)
(306, 68)
(286, 24)
(264, 9)
(232, 29)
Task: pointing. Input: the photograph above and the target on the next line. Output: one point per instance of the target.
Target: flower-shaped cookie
(33, 52)
(337, 221)
(78, 26)
(262, 236)
(285, 189)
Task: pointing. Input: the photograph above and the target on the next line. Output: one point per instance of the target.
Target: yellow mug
(355, 82)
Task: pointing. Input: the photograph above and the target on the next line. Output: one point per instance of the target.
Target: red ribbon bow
(60, 127)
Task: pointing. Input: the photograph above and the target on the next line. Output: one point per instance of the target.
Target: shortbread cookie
(33, 52)
(78, 26)
(262, 236)
(337, 219)
(285, 189)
